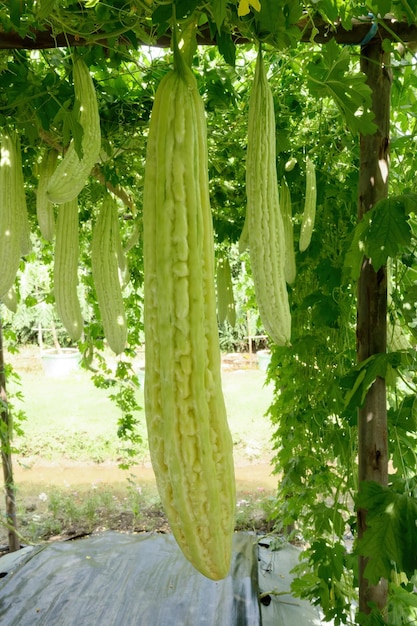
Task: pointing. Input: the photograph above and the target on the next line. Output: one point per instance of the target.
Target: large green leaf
(226, 47)
(390, 540)
(279, 18)
(330, 74)
(218, 9)
(383, 232)
(360, 378)
(388, 230)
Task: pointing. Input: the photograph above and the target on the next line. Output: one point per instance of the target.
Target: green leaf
(161, 18)
(405, 417)
(381, 7)
(360, 378)
(388, 230)
(391, 534)
(327, 519)
(218, 9)
(356, 250)
(331, 9)
(279, 18)
(383, 232)
(329, 74)
(226, 47)
(183, 8)
(409, 201)
(45, 8)
(15, 8)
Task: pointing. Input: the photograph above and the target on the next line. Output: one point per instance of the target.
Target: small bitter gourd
(290, 268)
(309, 213)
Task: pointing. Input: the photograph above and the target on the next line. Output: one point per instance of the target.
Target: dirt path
(42, 475)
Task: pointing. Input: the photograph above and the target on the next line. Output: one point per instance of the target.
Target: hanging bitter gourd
(44, 207)
(309, 213)
(25, 241)
(189, 438)
(66, 260)
(106, 258)
(264, 221)
(243, 243)
(226, 309)
(10, 300)
(14, 223)
(290, 268)
(71, 174)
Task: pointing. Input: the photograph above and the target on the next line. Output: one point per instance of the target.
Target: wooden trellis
(373, 186)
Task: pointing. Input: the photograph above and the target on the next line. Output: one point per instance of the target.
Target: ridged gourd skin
(243, 243)
(290, 268)
(72, 172)
(25, 241)
(14, 223)
(10, 300)
(264, 221)
(66, 260)
(44, 207)
(309, 213)
(106, 250)
(189, 439)
(226, 309)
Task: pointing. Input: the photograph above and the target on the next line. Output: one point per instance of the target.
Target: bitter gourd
(290, 268)
(106, 255)
(44, 207)
(309, 213)
(66, 259)
(71, 174)
(189, 437)
(14, 223)
(265, 227)
(225, 299)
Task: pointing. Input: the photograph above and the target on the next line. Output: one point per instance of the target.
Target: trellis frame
(369, 35)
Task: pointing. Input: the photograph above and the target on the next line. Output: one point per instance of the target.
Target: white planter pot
(60, 363)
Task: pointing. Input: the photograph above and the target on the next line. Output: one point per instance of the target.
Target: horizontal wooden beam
(363, 30)
(320, 32)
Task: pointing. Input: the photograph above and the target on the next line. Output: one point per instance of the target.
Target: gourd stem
(183, 57)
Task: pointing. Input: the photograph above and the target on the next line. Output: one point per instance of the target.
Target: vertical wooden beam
(6, 457)
(372, 300)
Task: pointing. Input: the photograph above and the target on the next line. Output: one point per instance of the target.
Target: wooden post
(6, 457)
(372, 300)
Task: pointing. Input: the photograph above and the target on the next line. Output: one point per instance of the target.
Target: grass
(59, 513)
(69, 420)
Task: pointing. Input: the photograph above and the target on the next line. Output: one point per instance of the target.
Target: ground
(61, 498)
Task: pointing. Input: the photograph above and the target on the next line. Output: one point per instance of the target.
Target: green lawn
(69, 417)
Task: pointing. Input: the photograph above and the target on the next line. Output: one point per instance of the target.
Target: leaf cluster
(390, 540)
